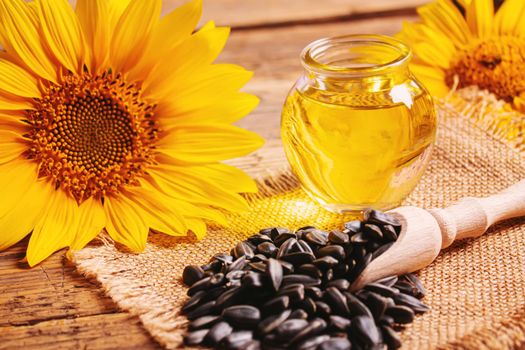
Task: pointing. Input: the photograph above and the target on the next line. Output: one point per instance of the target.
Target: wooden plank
(110, 331)
(49, 291)
(51, 304)
(249, 13)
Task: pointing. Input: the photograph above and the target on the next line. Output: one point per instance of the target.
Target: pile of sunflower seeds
(290, 290)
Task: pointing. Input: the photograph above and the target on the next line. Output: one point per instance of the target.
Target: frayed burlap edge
(162, 321)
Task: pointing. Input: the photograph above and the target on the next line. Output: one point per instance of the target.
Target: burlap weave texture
(476, 288)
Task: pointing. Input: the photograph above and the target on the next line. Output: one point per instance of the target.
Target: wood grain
(53, 307)
(253, 13)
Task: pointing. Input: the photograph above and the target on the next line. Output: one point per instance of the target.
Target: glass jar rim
(310, 54)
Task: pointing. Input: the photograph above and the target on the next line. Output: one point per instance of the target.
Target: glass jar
(357, 127)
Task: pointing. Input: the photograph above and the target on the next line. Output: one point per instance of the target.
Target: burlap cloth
(476, 287)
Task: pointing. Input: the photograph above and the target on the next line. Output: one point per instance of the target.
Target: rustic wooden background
(52, 306)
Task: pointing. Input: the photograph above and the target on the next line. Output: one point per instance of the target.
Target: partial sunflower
(113, 117)
(469, 43)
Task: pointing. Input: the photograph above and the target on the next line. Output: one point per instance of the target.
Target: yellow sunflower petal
(155, 215)
(509, 19)
(211, 82)
(93, 16)
(181, 185)
(208, 143)
(19, 35)
(197, 226)
(10, 102)
(480, 17)
(432, 55)
(55, 229)
(444, 17)
(132, 33)
(91, 223)
(19, 175)
(173, 28)
(232, 108)
(124, 223)
(11, 146)
(200, 49)
(17, 81)
(61, 28)
(25, 211)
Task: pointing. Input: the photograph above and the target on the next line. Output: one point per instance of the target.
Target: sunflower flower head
(113, 117)
(471, 42)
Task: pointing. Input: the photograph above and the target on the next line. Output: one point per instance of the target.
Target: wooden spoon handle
(471, 217)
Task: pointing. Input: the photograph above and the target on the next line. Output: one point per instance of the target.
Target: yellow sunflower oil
(359, 139)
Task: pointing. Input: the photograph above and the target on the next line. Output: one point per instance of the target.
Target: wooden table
(52, 306)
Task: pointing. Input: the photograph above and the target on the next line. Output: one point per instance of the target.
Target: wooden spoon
(425, 232)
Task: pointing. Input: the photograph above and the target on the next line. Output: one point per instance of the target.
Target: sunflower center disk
(493, 64)
(92, 135)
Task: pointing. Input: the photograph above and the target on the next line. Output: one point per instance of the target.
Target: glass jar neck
(370, 62)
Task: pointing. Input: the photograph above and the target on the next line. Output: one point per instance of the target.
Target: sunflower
(470, 43)
(114, 118)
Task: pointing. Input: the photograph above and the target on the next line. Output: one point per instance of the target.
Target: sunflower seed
(238, 264)
(271, 322)
(376, 304)
(421, 292)
(335, 251)
(235, 275)
(243, 249)
(193, 301)
(237, 340)
(290, 328)
(339, 323)
(323, 309)
(390, 338)
(305, 280)
(353, 226)
(276, 304)
(325, 262)
(287, 267)
(199, 285)
(401, 314)
(338, 237)
(218, 332)
(312, 343)
(307, 305)
(337, 300)
(214, 266)
(407, 288)
(242, 315)
(381, 250)
(356, 307)
(359, 237)
(314, 293)
(373, 232)
(258, 239)
(253, 345)
(303, 246)
(317, 237)
(299, 313)
(381, 289)
(276, 231)
(310, 270)
(389, 233)
(295, 292)
(283, 237)
(192, 274)
(252, 279)
(298, 258)
(201, 310)
(412, 302)
(267, 248)
(335, 344)
(203, 322)
(286, 247)
(388, 281)
(377, 217)
(195, 338)
(230, 297)
(314, 327)
(365, 330)
(341, 284)
(257, 266)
